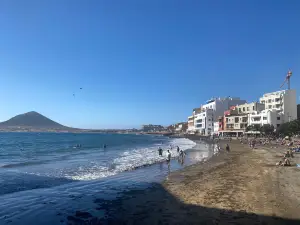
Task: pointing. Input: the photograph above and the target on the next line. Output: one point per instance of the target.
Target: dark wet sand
(240, 187)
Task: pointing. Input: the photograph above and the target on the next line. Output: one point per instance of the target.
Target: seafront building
(283, 102)
(204, 118)
(191, 120)
(223, 116)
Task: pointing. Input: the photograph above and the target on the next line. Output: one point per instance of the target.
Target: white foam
(132, 159)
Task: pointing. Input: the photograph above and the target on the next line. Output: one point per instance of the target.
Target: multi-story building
(216, 127)
(204, 123)
(283, 102)
(233, 122)
(191, 120)
(298, 111)
(210, 112)
(250, 107)
(267, 116)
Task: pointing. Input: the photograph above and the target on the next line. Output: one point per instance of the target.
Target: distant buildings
(153, 128)
(179, 127)
(298, 111)
(223, 116)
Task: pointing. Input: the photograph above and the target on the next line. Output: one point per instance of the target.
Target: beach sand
(240, 187)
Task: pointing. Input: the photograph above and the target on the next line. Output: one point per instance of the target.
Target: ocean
(44, 176)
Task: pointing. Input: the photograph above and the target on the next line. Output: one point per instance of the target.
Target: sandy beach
(240, 187)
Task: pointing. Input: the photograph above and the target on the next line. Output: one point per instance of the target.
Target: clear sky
(148, 61)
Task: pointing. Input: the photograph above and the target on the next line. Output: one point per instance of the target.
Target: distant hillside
(32, 120)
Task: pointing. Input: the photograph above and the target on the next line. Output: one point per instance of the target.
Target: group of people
(179, 151)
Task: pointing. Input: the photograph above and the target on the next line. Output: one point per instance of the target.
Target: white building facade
(283, 102)
(210, 112)
(267, 116)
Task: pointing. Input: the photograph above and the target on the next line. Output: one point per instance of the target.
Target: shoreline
(242, 187)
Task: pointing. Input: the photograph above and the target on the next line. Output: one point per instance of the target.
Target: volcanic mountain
(32, 120)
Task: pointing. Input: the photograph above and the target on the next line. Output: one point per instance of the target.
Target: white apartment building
(283, 102)
(191, 126)
(210, 112)
(267, 116)
(216, 127)
(204, 123)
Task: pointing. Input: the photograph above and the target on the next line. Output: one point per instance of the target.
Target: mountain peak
(32, 119)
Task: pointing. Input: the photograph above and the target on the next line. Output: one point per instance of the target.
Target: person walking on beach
(168, 156)
(160, 151)
(227, 148)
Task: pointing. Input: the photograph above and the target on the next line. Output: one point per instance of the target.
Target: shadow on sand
(155, 205)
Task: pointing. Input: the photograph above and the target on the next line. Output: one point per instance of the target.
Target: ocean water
(46, 176)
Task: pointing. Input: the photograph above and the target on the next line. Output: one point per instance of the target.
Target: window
(269, 100)
(264, 118)
(278, 125)
(262, 102)
(236, 119)
(247, 108)
(199, 121)
(253, 108)
(270, 107)
(243, 109)
(240, 110)
(278, 117)
(226, 120)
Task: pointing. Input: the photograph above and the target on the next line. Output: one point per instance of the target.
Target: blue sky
(139, 62)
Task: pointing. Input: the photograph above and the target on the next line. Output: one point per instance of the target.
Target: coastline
(58, 203)
(240, 187)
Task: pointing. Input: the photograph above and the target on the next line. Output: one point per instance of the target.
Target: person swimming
(104, 146)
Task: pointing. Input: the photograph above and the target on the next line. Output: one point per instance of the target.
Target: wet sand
(240, 187)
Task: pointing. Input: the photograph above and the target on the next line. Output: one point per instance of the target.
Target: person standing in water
(181, 154)
(178, 149)
(160, 151)
(168, 156)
